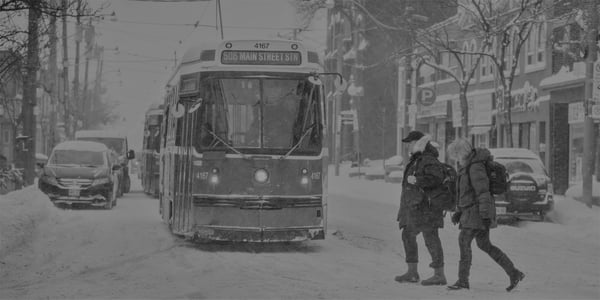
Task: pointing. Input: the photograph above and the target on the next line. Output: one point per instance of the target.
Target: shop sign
(576, 112)
(437, 109)
(522, 99)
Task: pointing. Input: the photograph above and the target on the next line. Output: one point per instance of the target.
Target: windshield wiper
(304, 134)
(224, 143)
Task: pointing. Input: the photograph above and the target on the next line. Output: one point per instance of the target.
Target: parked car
(81, 173)
(117, 142)
(530, 192)
(394, 169)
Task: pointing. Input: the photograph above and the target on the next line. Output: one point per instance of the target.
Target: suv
(116, 142)
(530, 191)
(80, 172)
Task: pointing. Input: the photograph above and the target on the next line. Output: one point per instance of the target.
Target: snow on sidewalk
(22, 213)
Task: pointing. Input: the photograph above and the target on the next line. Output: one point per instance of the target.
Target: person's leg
(464, 266)
(482, 238)
(409, 239)
(434, 245)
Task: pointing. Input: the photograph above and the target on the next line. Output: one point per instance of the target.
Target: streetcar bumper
(255, 234)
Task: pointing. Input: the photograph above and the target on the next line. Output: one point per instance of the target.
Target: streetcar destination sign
(250, 57)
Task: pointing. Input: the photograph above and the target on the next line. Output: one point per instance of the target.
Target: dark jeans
(482, 237)
(432, 241)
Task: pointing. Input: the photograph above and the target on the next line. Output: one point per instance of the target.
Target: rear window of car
(76, 157)
(522, 165)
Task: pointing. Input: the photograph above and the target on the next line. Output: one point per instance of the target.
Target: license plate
(74, 193)
(500, 210)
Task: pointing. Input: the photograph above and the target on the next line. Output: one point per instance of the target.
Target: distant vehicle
(80, 173)
(530, 192)
(244, 154)
(394, 169)
(117, 142)
(150, 167)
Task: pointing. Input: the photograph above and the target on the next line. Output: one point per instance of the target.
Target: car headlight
(100, 181)
(49, 180)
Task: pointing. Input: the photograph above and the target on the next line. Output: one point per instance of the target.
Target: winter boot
(438, 278)
(410, 276)
(515, 277)
(459, 285)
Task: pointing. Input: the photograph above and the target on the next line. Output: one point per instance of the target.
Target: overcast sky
(150, 35)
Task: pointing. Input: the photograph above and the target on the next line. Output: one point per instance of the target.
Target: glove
(487, 223)
(456, 217)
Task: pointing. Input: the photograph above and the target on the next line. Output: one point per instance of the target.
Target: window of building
(536, 48)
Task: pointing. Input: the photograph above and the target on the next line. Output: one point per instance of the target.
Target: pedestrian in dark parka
(476, 212)
(423, 176)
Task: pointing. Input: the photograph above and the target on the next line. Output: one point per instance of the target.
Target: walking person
(476, 212)
(422, 176)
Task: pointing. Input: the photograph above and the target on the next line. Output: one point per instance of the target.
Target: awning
(480, 130)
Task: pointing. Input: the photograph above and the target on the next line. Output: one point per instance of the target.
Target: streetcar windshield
(260, 114)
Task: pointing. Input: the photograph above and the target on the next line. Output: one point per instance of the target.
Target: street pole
(30, 92)
(65, 73)
(338, 98)
(588, 126)
(53, 70)
(78, 38)
(89, 47)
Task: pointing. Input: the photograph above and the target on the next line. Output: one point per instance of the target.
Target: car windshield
(76, 157)
(522, 165)
(115, 144)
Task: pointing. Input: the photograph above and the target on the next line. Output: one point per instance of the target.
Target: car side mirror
(130, 154)
(116, 167)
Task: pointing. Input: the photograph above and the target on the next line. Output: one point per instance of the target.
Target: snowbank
(576, 191)
(22, 212)
(577, 219)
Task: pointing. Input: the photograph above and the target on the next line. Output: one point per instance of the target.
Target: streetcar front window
(269, 115)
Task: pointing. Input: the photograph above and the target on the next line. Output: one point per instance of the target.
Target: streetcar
(244, 154)
(149, 167)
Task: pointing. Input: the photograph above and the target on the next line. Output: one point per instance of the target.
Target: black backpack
(445, 199)
(497, 174)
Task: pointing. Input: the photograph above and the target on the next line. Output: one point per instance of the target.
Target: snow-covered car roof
(81, 145)
(99, 134)
(513, 153)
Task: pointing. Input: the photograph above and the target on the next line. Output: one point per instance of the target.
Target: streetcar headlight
(214, 179)
(261, 175)
(304, 171)
(304, 180)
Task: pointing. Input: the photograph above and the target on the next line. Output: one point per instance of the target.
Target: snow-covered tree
(500, 29)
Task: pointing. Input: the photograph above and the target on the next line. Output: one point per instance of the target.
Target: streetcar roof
(81, 146)
(99, 134)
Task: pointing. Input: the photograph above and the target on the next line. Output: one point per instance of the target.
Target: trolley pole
(589, 100)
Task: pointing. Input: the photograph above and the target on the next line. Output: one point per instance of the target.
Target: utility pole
(89, 47)
(65, 73)
(588, 126)
(99, 53)
(338, 99)
(30, 93)
(53, 70)
(357, 29)
(78, 37)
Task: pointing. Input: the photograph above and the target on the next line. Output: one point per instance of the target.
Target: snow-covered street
(128, 253)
